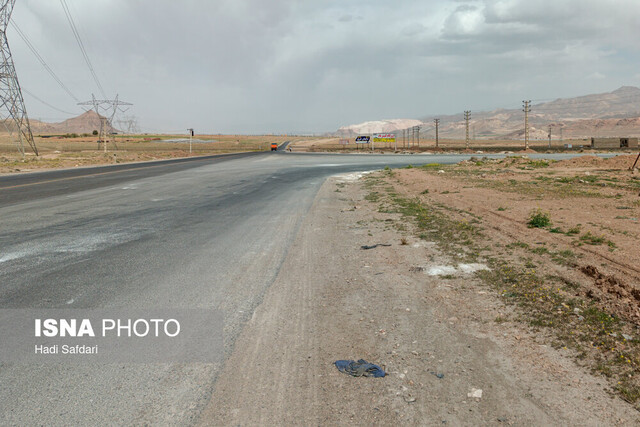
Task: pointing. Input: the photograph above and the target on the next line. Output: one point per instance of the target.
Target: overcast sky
(254, 66)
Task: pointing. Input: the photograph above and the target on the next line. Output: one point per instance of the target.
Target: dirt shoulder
(414, 307)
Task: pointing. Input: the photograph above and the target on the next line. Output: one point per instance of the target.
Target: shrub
(539, 219)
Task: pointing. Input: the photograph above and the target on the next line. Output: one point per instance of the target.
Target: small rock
(627, 337)
(440, 171)
(475, 393)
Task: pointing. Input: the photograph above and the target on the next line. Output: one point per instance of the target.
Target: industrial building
(614, 142)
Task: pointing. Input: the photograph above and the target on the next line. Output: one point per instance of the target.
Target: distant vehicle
(274, 146)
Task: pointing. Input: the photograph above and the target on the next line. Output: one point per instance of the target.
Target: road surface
(203, 233)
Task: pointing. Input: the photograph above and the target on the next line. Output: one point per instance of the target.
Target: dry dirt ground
(454, 305)
(426, 145)
(61, 152)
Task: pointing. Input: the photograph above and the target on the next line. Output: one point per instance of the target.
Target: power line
(42, 61)
(46, 103)
(110, 107)
(76, 34)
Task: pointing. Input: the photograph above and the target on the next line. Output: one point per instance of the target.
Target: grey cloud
(256, 66)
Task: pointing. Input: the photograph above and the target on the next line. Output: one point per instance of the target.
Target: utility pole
(418, 135)
(561, 129)
(190, 139)
(404, 138)
(467, 116)
(11, 102)
(549, 136)
(437, 122)
(527, 110)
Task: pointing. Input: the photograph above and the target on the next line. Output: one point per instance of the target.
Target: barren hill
(84, 123)
(377, 126)
(614, 113)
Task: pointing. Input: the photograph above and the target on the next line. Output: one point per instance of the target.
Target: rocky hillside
(84, 123)
(614, 113)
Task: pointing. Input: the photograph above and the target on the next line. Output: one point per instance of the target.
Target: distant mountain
(614, 113)
(379, 126)
(84, 123)
(608, 114)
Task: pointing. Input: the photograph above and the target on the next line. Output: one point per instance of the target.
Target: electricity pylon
(526, 107)
(12, 104)
(467, 117)
(109, 107)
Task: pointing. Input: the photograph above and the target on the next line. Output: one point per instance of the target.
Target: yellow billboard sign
(384, 137)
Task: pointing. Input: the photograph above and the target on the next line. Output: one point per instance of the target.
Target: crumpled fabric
(361, 368)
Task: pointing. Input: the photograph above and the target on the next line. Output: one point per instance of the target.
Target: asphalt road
(203, 233)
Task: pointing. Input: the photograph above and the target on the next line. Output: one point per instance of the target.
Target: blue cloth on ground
(361, 368)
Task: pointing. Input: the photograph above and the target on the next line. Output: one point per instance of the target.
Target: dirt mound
(620, 162)
(621, 298)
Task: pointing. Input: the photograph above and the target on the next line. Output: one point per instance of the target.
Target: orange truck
(274, 146)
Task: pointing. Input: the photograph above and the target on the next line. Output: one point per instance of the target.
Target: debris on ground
(475, 393)
(440, 376)
(361, 368)
(366, 247)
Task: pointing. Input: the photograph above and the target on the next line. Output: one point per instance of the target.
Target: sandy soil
(435, 335)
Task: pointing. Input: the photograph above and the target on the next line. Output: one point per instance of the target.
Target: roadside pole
(190, 139)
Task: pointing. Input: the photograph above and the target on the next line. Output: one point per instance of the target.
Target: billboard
(384, 137)
(362, 140)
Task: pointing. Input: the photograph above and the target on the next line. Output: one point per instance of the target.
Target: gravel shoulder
(333, 300)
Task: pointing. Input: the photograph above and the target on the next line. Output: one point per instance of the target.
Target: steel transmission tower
(467, 117)
(106, 110)
(437, 122)
(527, 109)
(12, 104)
